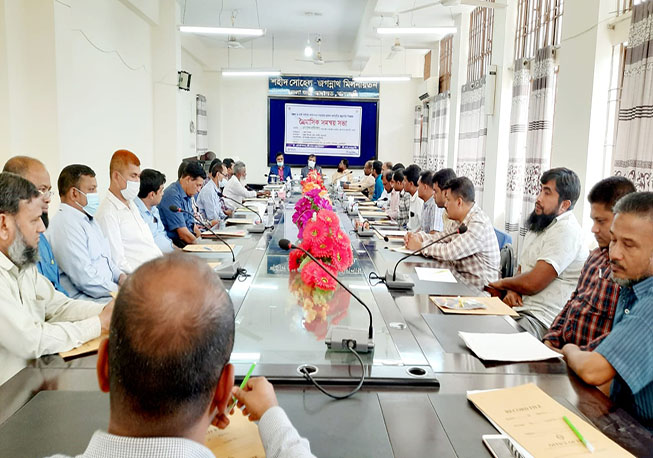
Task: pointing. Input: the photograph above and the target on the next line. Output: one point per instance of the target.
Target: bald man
(34, 171)
(167, 368)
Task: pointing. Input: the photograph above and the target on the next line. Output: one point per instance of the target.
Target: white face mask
(223, 183)
(279, 163)
(311, 164)
(131, 191)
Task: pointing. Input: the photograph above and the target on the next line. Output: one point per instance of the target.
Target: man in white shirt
(35, 319)
(131, 240)
(149, 196)
(384, 200)
(167, 369)
(366, 185)
(235, 187)
(411, 184)
(552, 256)
(440, 179)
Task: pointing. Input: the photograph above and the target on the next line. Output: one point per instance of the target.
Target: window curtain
(473, 136)
(521, 88)
(633, 156)
(201, 125)
(417, 137)
(438, 133)
(424, 140)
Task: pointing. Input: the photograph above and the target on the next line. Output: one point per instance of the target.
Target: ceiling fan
(318, 59)
(232, 41)
(481, 3)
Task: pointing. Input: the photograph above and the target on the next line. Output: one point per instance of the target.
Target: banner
(326, 130)
(322, 86)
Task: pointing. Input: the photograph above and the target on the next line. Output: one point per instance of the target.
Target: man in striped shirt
(474, 255)
(625, 357)
(587, 317)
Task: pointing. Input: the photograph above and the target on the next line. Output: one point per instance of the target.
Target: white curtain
(417, 136)
(473, 136)
(633, 156)
(438, 132)
(424, 140)
(521, 86)
(201, 129)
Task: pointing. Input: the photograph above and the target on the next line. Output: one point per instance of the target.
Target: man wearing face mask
(281, 170)
(35, 319)
(87, 268)
(235, 188)
(35, 172)
(311, 165)
(130, 238)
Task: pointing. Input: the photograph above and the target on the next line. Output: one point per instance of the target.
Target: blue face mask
(92, 203)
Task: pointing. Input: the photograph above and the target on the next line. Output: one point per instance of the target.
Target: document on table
(239, 439)
(202, 248)
(533, 420)
(392, 232)
(236, 233)
(516, 347)
(86, 348)
(494, 306)
(402, 250)
(433, 274)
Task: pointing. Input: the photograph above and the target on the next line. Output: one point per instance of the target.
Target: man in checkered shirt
(474, 255)
(587, 317)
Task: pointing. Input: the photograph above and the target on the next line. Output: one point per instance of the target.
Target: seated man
(77, 240)
(387, 166)
(366, 185)
(377, 167)
(440, 178)
(281, 170)
(411, 181)
(587, 317)
(130, 239)
(149, 196)
(552, 255)
(625, 356)
(181, 227)
(342, 173)
(474, 255)
(229, 166)
(311, 165)
(34, 171)
(384, 200)
(35, 319)
(209, 202)
(156, 348)
(403, 200)
(425, 192)
(235, 189)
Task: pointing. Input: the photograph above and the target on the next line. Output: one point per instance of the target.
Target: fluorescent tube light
(250, 72)
(415, 30)
(379, 78)
(222, 31)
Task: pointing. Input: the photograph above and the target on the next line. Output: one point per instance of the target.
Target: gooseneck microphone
(229, 272)
(340, 337)
(404, 282)
(255, 229)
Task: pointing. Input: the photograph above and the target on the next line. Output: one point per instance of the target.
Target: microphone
(404, 281)
(257, 228)
(341, 337)
(384, 237)
(229, 272)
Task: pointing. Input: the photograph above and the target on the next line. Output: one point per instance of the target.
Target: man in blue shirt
(209, 202)
(33, 170)
(280, 170)
(180, 226)
(149, 196)
(625, 357)
(377, 170)
(77, 240)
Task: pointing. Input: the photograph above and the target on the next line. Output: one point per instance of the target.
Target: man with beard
(35, 319)
(625, 357)
(552, 255)
(34, 171)
(342, 172)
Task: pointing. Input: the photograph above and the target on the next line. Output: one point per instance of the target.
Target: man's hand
(550, 345)
(413, 241)
(513, 299)
(257, 397)
(196, 230)
(122, 279)
(105, 316)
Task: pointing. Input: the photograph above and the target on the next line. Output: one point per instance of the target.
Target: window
(539, 24)
(623, 6)
(446, 59)
(617, 68)
(481, 26)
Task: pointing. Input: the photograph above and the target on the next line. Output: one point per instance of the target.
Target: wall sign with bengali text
(322, 86)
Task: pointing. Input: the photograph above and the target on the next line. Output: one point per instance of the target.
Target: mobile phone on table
(500, 446)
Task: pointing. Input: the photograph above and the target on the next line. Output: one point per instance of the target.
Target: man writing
(35, 319)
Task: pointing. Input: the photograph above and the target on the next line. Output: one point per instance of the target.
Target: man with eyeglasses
(211, 205)
(34, 171)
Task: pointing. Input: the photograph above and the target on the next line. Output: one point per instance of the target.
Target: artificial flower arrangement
(314, 181)
(310, 203)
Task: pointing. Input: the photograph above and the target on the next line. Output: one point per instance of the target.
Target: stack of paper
(432, 274)
(239, 439)
(201, 248)
(517, 347)
(493, 306)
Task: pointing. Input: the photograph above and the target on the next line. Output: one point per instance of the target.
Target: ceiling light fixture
(308, 50)
(222, 31)
(380, 78)
(250, 72)
(415, 30)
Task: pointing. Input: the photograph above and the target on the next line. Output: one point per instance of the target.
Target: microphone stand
(226, 273)
(403, 281)
(256, 228)
(341, 337)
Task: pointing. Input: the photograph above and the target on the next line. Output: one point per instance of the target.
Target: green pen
(242, 386)
(580, 437)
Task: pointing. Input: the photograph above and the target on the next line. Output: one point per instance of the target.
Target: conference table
(413, 402)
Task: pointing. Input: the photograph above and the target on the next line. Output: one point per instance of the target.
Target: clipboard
(495, 306)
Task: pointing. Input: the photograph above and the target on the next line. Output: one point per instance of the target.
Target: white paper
(433, 274)
(517, 347)
(390, 232)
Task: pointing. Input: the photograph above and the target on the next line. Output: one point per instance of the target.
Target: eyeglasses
(45, 193)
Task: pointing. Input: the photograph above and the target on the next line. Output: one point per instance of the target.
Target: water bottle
(269, 212)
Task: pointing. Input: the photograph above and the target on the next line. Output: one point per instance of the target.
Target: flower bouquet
(311, 202)
(314, 181)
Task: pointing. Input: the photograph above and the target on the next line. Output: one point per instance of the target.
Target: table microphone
(404, 281)
(340, 337)
(362, 232)
(229, 272)
(256, 228)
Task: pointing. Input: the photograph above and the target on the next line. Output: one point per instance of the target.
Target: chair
(502, 238)
(507, 261)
